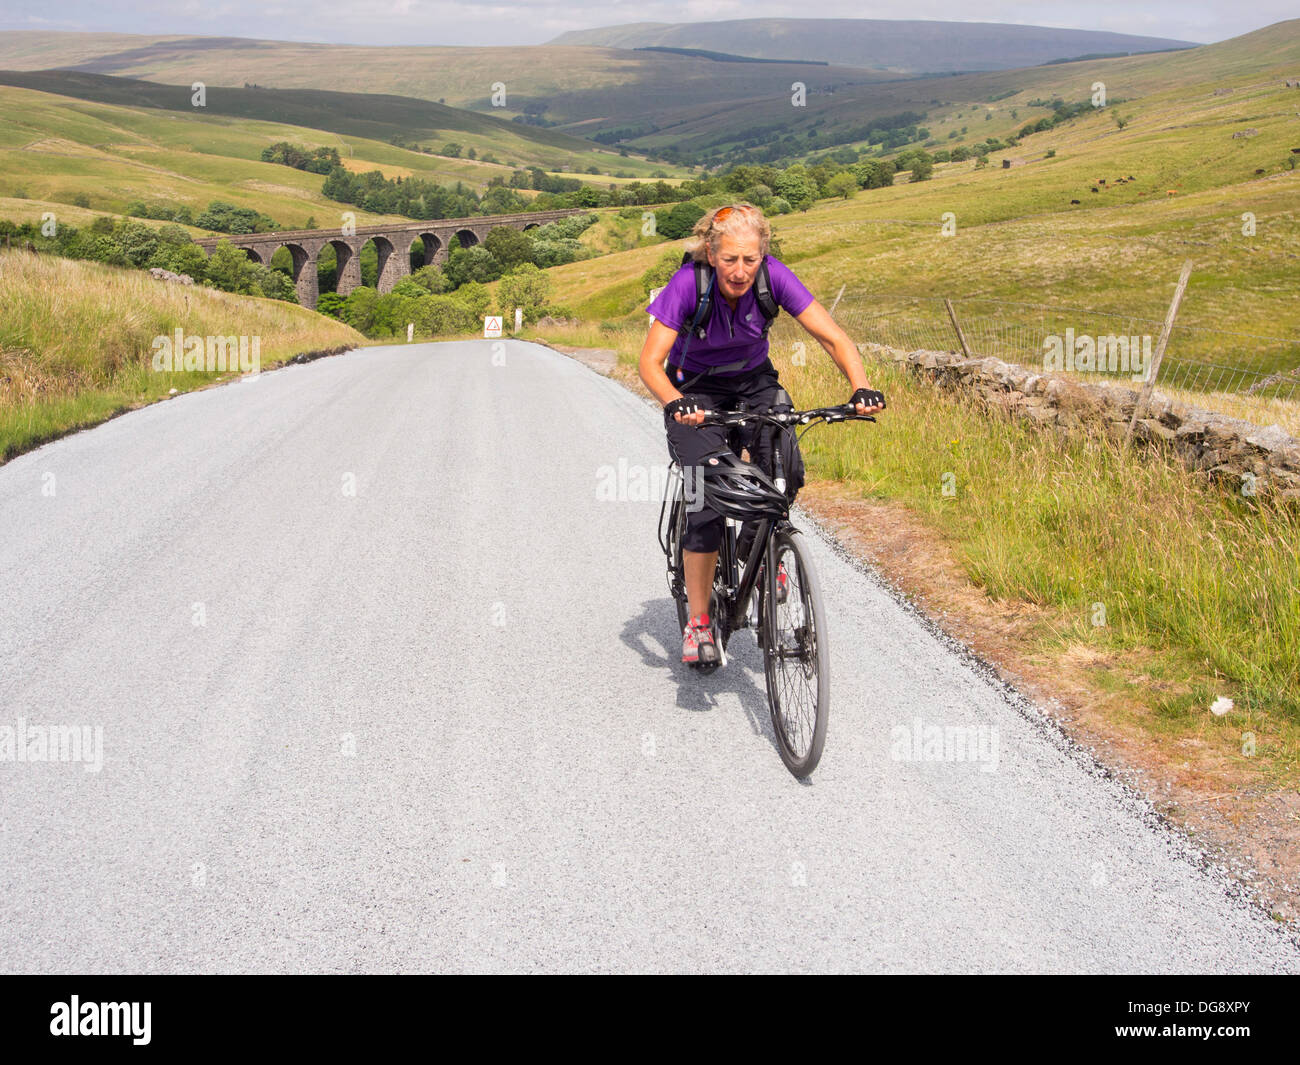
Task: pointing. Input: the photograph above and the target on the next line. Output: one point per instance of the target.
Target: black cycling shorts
(688, 444)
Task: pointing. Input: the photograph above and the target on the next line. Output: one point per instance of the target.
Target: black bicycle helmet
(738, 489)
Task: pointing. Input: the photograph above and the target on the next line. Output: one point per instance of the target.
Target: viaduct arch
(392, 243)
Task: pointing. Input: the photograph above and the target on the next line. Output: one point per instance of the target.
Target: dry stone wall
(1239, 454)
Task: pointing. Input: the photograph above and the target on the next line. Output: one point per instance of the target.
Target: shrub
(474, 296)
(444, 314)
(527, 287)
(659, 274)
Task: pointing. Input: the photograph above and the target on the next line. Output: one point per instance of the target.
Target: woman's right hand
(688, 410)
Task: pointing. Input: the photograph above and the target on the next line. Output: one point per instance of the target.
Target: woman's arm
(658, 343)
(818, 322)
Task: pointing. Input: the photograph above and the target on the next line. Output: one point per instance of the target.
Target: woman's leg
(688, 445)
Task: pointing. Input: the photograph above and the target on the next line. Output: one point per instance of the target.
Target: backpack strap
(763, 295)
(704, 288)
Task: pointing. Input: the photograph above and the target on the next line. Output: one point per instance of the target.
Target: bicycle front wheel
(797, 657)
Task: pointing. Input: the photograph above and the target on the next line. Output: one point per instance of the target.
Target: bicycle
(792, 634)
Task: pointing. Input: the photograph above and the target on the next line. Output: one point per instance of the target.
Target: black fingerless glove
(868, 398)
(687, 404)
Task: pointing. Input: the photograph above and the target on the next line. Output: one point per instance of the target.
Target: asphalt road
(439, 722)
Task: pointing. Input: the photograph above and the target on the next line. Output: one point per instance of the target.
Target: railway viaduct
(393, 242)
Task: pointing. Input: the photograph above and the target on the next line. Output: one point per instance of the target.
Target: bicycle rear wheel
(676, 569)
(796, 659)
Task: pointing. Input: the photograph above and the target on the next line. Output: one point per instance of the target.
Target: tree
(509, 246)
(138, 242)
(227, 218)
(843, 184)
(184, 259)
(438, 315)
(678, 221)
(471, 264)
(359, 309)
(474, 296)
(502, 200)
(408, 286)
(228, 268)
(330, 304)
(431, 279)
(874, 174)
(527, 287)
(796, 188)
(452, 149)
(272, 284)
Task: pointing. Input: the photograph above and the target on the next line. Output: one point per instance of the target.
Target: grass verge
(76, 341)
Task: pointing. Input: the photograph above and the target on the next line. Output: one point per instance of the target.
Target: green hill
(58, 151)
(535, 77)
(952, 102)
(648, 100)
(369, 115)
(1020, 238)
(904, 46)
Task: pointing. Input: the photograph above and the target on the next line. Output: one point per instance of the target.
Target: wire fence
(1089, 343)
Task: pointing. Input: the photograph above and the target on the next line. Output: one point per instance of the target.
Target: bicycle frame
(736, 588)
(738, 584)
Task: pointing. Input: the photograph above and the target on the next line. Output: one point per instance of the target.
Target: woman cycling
(729, 364)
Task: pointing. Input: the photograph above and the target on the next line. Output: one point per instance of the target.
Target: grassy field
(1018, 238)
(951, 103)
(53, 149)
(694, 103)
(577, 83)
(76, 341)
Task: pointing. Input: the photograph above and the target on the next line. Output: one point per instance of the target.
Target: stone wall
(1239, 454)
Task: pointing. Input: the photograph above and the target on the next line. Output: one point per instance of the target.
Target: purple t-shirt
(731, 335)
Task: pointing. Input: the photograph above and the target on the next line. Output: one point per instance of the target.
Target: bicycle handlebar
(842, 413)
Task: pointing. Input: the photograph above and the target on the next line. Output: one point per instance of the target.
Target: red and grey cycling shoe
(698, 646)
(782, 582)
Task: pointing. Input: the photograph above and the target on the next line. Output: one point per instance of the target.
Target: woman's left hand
(867, 401)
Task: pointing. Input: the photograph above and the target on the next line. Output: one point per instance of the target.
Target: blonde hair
(708, 233)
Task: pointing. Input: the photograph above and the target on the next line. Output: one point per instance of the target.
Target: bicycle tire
(796, 660)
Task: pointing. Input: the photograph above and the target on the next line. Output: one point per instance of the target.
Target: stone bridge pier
(393, 243)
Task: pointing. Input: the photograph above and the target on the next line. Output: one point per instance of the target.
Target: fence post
(957, 326)
(836, 302)
(1154, 368)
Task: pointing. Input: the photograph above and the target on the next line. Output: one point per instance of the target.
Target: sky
(507, 22)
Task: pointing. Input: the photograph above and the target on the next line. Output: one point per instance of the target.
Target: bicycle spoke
(796, 666)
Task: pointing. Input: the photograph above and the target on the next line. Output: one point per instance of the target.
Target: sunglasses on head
(725, 212)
